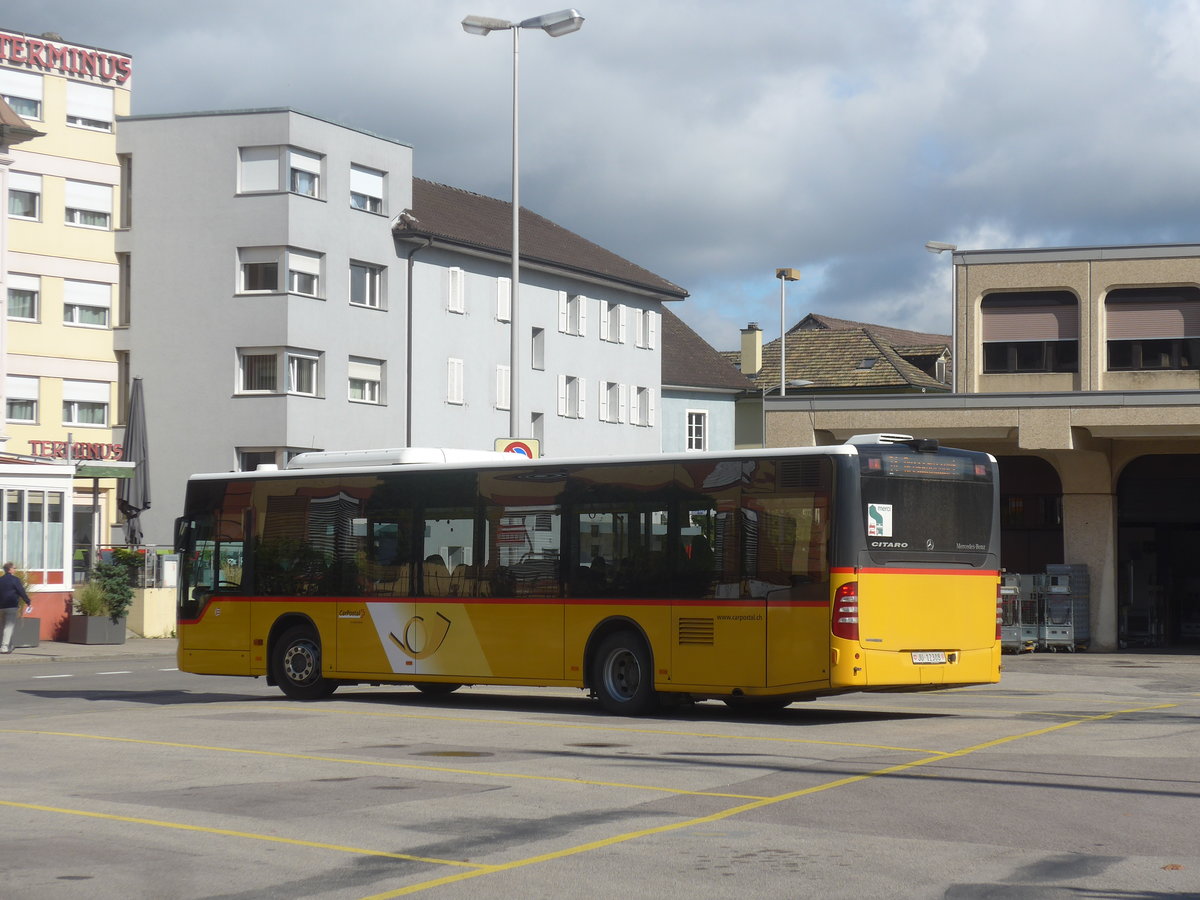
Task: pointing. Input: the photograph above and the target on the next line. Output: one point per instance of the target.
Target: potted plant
(101, 606)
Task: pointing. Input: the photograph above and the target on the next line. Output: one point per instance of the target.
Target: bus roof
(366, 462)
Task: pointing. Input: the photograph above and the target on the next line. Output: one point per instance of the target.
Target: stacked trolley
(1044, 612)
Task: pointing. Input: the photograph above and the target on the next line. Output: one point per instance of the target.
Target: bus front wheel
(296, 665)
(622, 677)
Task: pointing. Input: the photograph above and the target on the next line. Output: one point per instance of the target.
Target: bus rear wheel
(622, 677)
(296, 665)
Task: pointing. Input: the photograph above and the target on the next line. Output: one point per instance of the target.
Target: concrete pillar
(1090, 537)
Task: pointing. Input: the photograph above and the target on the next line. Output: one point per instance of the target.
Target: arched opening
(1031, 532)
(1158, 545)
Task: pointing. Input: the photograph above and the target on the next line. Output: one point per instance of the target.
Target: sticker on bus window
(879, 519)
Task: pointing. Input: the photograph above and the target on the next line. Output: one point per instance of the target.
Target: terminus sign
(49, 56)
(79, 450)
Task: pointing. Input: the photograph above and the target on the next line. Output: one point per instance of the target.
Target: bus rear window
(917, 505)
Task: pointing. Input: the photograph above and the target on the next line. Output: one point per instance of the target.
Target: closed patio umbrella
(133, 494)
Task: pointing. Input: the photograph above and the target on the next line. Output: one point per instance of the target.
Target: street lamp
(939, 248)
(554, 24)
(784, 276)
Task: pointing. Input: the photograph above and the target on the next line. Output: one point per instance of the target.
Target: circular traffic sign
(519, 447)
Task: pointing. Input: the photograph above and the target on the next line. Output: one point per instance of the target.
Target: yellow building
(62, 378)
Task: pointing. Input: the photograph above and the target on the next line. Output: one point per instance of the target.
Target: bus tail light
(845, 611)
(999, 612)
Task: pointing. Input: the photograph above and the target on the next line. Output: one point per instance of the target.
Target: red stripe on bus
(994, 573)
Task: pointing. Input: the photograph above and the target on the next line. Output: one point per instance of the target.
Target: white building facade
(271, 256)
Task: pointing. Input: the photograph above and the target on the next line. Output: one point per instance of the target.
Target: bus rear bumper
(854, 667)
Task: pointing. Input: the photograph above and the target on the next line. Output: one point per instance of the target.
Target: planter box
(28, 632)
(95, 630)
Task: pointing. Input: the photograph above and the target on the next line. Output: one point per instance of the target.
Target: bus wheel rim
(622, 674)
(299, 662)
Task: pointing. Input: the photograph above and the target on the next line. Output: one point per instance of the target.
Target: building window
(504, 299)
(1153, 329)
(537, 351)
(85, 403)
(23, 92)
(642, 401)
(32, 530)
(258, 169)
(366, 380)
(697, 429)
(647, 328)
(503, 386)
(21, 399)
(1030, 331)
(571, 402)
(23, 294)
(302, 371)
(25, 196)
(456, 290)
(125, 189)
(537, 428)
(572, 314)
(366, 285)
(304, 273)
(612, 322)
(612, 401)
(124, 292)
(86, 303)
(89, 106)
(89, 205)
(259, 269)
(366, 189)
(454, 381)
(258, 373)
(304, 173)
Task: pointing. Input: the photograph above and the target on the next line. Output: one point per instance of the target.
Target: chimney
(751, 350)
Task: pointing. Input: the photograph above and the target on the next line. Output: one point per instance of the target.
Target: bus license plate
(928, 657)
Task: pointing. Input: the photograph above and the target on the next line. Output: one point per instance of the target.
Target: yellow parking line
(747, 807)
(224, 832)
(476, 773)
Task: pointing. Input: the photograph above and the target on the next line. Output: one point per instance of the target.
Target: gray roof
(473, 221)
(690, 361)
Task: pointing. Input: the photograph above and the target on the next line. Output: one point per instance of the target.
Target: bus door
(214, 615)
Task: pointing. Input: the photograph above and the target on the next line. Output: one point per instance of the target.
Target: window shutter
(583, 307)
(1151, 320)
(89, 101)
(581, 410)
(454, 289)
(87, 293)
(25, 282)
(86, 391)
(1031, 323)
(89, 196)
(562, 395)
(23, 181)
(21, 387)
(366, 369)
(621, 310)
(602, 397)
(305, 162)
(21, 84)
(260, 169)
(562, 312)
(454, 381)
(622, 394)
(652, 329)
(366, 181)
(302, 261)
(502, 387)
(650, 406)
(504, 299)
(605, 332)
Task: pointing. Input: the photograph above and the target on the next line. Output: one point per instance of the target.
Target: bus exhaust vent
(801, 474)
(697, 631)
(879, 438)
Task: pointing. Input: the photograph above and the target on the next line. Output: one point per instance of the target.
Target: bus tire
(436, 688)
(296, 665)
(622, 675)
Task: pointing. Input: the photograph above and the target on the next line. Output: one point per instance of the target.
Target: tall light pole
(939, 248)
(784, 276)
(554, 24)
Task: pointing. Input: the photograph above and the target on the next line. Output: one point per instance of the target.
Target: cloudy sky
(712, 141)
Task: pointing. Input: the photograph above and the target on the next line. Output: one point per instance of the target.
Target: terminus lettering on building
(79, 62)
(79, 450)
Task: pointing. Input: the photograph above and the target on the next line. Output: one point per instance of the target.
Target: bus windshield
(917, 504)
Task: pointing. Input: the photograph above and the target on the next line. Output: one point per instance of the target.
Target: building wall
(720, 409)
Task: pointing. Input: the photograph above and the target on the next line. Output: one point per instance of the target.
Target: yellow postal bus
(757, 577)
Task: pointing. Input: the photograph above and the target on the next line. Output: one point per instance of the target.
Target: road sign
(529, 447)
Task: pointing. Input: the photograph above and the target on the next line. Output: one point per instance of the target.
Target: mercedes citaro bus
(757, 577)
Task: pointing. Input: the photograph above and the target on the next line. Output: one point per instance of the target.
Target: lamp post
(784, 276)
(939, 247)
(554, 24)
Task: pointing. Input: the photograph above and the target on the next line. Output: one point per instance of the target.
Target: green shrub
(114, 581)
